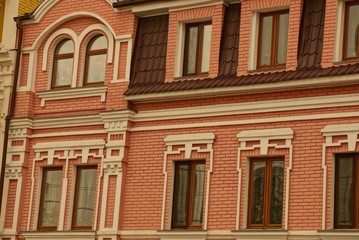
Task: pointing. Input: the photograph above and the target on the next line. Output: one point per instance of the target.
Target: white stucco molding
(46, 6)
(351, 131)
(264, 136)
(72, 93)
(73, 235)
(188, 141)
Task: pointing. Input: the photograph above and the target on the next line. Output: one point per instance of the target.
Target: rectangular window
(85, 192)
(2, 15)
(273, 39)
(188, 195)
(266, 193)
(50, 198)
(197, 48)
(351, 28)
(346, 191)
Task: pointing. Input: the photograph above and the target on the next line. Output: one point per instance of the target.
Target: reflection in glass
(181, 196)
(345, 191)
(352, 32)
(192, 50)
(198, 194)
(51, 194)
(282, 38)
(257, 186)
(206, 47)
(86, 189)
(63, 62)
(276, 197)
(96, 60)
(266, 40)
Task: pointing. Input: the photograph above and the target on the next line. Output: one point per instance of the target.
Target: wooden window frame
(355, 197)
(90, 53)
(275, 28)
(348, 4)
(55, 64)
(45, 170)
(267, 190)
(198, 67)
(74, 212)
(192, 164)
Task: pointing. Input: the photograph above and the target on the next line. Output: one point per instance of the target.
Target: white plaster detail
(73, 93)
(124, 38)
(339, 31)
(47, 151)
(351, 131)
(297, 84)
(188, 140)
(264, 136)
(70, 235)
(253, 43)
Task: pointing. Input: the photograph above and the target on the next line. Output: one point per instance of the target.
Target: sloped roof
(311, 34)
(253, 79)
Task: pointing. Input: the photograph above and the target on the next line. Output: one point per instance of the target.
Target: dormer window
(95, 65)
(63, 64)
(197, 48)
(273, 38)
(351, 28)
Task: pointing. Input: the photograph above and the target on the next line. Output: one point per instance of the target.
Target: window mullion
(192, 171)
(199, 48)
(266, 193)
(275, 32)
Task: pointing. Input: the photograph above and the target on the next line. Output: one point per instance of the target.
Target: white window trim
(71, 93)
(263, 136)
(339, 31)
(254, 35)
(188, 140)
(351, 132)
(180, 42)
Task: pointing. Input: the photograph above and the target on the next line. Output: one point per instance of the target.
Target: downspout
(11, 110)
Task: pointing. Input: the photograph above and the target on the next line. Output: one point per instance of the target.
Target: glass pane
(51, 196)
(257, 192)
(86, 191)
(352, 34)
(282, 38)
(192, 50)
(276, 197)
(266, 41)
(345, 191)
(96, 68)
(206, 47)
(99, 43)
(181, 197)
(64, 47)
(198, 193)
(63, 75)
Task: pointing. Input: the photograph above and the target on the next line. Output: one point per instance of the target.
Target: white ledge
(72, 93)
(73, 235)
(276, 133)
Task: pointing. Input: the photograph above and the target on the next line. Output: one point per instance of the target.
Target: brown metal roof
(311, 34)
(149, 59)
(228, 60)
(254, 79)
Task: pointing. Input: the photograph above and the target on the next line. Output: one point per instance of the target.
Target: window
(85, 192)
(63, 62)
(265, 193)
(95, 65)
(197, 48)
(50, 198)
(346, 191)
(351, 28)
(273, 38)
(2, 15)
(188, 195)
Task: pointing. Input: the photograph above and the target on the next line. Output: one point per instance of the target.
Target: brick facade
(136, 140)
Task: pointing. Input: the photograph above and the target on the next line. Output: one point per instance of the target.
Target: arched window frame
(89, 53)
(57, 57)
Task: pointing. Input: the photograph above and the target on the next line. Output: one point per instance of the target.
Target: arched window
(95, 64)
(63, 64)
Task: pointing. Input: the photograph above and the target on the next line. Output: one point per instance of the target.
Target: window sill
(185, 234)
(272, 69)
(71, 93)
(342, 234)
(249, 234)
(50, 235)
(192, 77)
(348, 61)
